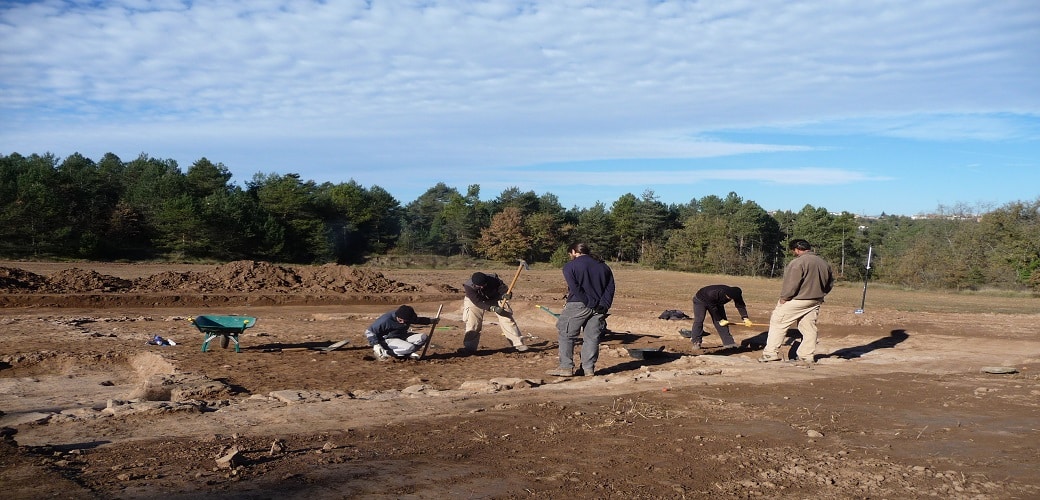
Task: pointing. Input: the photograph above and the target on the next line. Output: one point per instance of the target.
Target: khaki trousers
(473, 316)
(801, 312)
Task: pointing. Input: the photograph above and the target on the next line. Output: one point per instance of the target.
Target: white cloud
(435, 85)
(928, 127)
(806, 176)
(596, 65)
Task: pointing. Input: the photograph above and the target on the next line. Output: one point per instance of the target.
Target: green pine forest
(150, 209)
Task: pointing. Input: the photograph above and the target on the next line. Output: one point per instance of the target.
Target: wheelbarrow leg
(205, 343)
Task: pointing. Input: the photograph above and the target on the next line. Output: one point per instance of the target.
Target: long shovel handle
(433, 327)
(505, 302)
(515, 276)
(546, 309)
(739, 323)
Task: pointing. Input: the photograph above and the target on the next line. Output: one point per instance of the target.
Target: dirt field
(900, 405)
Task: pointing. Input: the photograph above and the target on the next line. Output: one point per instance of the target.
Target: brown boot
(561, 372)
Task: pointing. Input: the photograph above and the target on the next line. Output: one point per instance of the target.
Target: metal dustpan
(646, 352)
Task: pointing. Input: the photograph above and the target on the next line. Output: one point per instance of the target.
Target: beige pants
(801, 312)
(473, 316)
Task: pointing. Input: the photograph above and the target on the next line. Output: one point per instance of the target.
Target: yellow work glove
(747, 321)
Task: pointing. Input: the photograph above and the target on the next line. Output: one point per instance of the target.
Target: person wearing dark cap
(390, 337)
(712, 300)
(486, 292)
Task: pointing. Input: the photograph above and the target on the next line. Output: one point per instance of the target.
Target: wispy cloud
(340, 87)
(808, 176)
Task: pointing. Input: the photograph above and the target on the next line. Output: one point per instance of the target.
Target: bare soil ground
(901, 404)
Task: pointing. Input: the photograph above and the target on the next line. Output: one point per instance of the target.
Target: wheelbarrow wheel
(224, 341)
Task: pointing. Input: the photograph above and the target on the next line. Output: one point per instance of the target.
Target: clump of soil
(234, 277)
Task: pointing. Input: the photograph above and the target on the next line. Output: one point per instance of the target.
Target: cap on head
(479, 279)
(406, 313)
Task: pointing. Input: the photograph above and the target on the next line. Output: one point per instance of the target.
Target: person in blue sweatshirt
(390, 336)
(590, 293)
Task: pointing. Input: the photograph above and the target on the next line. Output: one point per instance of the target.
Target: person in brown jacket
(807, 280)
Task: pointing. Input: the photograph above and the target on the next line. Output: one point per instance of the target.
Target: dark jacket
(387, 327)
(487, 296)
(720, 295)
(589, 281)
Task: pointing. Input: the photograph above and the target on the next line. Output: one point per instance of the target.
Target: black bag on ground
(673, 314)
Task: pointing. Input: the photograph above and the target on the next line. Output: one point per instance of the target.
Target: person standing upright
(590, 293)
(807, 280)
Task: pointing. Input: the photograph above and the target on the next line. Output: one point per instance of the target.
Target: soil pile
(234, 277)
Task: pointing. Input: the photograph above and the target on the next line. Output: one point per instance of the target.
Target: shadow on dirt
(794, 337)
(481, 353)
(279, 346)
(893, 339)
(49, 449)
(659, 358)
(623, 337)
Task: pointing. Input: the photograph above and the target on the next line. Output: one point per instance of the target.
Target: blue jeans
(575, 320)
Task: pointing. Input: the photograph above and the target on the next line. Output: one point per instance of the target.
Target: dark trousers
(718, 313)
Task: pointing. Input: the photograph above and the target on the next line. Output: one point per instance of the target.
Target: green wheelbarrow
(227, 328)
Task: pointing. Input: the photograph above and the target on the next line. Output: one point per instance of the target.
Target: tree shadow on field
(893, 339)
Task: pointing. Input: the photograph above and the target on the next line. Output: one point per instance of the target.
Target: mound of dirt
(13, 279)
(234, 277)
(343, 279)
(75, 280)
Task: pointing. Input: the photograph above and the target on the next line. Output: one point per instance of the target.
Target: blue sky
(866, 107)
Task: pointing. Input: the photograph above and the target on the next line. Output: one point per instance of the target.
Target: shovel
(546, 309)
(433, 327)
(726, 322)
(509, 291)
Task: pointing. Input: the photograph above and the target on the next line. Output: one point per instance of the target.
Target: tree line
(148, 208)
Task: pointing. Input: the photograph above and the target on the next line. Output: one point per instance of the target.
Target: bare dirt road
(900, 405)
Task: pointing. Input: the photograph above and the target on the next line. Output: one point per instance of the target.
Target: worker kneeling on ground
(390, 337)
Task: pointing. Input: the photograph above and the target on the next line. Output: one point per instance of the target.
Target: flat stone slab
(999, 370)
